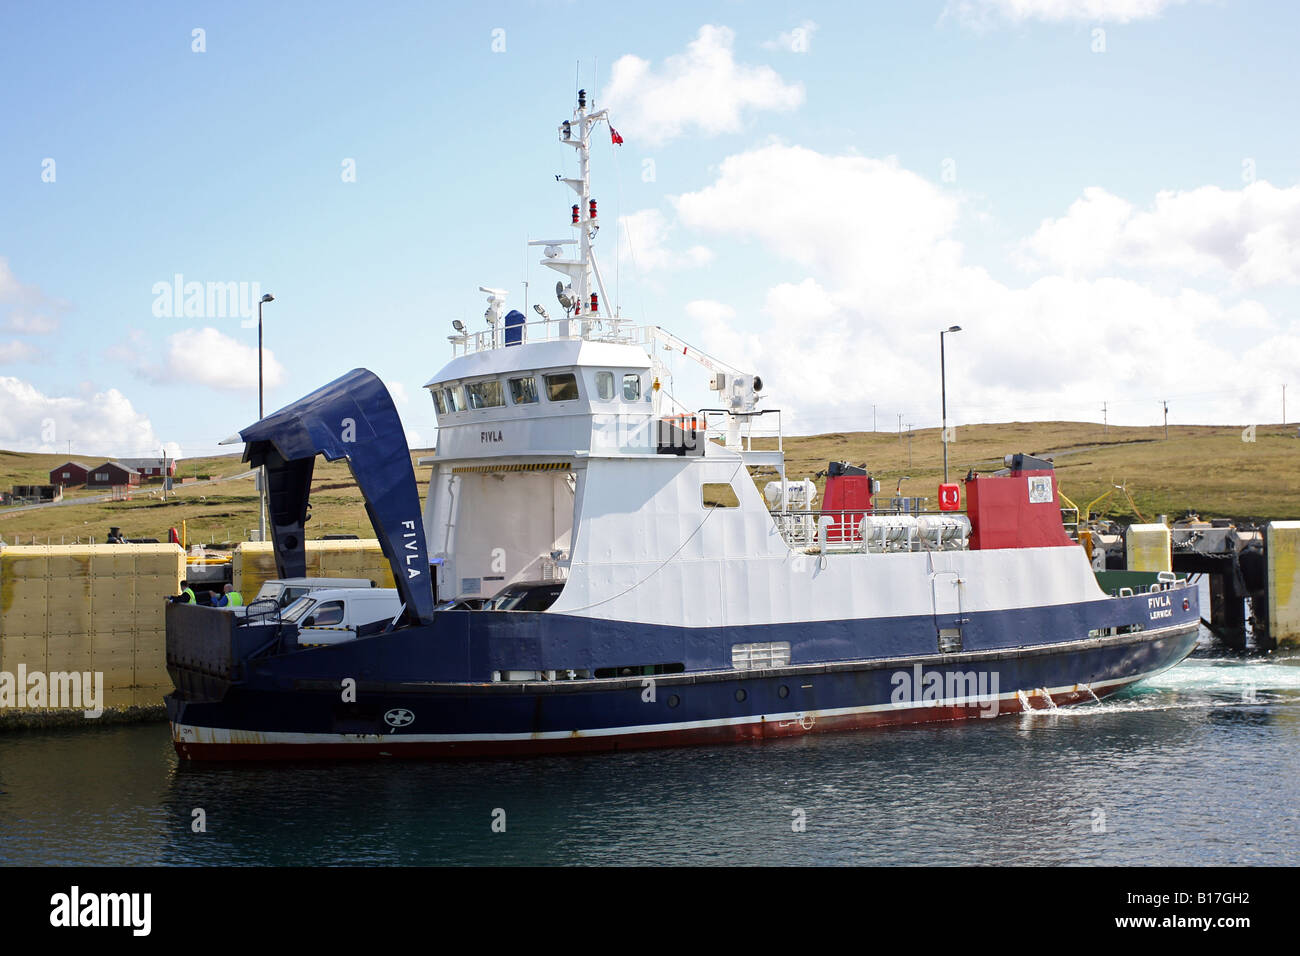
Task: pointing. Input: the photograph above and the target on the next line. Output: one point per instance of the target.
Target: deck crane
(738, 391)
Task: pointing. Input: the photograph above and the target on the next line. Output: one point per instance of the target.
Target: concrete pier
(1282, 572)
(83, 627)
(1147, 548)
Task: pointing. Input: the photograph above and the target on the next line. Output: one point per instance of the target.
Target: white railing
(604, 329)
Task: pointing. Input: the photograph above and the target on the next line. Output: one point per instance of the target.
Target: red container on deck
(1017, 510)
(847, 499)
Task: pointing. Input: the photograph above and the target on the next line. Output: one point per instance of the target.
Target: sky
(1103, 194)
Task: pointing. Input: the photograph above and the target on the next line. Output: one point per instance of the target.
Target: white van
(334, 615)
(284, 591)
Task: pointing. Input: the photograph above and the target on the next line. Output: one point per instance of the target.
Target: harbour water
(1196, 766)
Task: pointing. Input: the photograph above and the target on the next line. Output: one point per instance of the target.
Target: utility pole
(873, 409)
(1283, 407)
(943, 386)
(900, 428)
(164, 473)
(1165, 403)
(1105, 420)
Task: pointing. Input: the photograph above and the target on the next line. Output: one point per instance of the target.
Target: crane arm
(675, 344)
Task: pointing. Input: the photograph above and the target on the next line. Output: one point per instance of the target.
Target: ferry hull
(460, 720)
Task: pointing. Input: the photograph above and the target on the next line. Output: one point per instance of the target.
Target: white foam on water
(1203, 684)
(1228, 676)
(1141, 706)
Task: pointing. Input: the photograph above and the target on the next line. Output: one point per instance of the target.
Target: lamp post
(943, 390)
(261, 476)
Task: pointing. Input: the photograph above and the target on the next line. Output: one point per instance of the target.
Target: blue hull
(285, 709)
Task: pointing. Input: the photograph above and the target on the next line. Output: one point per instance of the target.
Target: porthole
(674, 700)
(783, 692)
(741, 694)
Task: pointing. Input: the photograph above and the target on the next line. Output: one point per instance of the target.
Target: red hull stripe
(336, 747)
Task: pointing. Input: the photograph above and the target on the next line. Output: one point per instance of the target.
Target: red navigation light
(595, 303)
(591, 209)
(575, 213)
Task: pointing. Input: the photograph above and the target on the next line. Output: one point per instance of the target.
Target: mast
(584, 298)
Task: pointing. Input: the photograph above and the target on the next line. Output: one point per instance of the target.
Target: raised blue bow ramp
(352, 417)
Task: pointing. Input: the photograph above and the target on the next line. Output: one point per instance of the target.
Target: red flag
(614, 137)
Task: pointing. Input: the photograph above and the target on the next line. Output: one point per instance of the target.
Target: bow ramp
(352, 417)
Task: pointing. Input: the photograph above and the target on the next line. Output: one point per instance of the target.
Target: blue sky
(1103, 193)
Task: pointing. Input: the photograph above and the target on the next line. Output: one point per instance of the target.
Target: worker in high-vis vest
(187, 593)
(233, 597)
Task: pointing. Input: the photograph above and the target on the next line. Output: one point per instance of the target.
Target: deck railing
(603, 329)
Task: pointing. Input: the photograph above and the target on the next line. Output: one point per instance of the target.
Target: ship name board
(1161, 606)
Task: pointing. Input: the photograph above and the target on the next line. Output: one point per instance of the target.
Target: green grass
(1204, 468)
(1207, 469)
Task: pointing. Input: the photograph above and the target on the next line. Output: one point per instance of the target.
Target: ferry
(594, 567)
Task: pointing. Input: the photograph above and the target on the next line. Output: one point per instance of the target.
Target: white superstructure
(561, 455)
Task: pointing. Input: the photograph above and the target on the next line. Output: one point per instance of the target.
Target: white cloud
(702, 91)
(15, 351)
(797, 40)
(847, 216)
(643, 237)
(207, 357)
(1250, 235)
(97, 423)
(875, 273)
(983, 12)
(25, 309)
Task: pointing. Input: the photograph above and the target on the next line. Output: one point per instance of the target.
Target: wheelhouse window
(439, 401)
(488, 394)
(455, 398)
(631, 387)
(562, 387)
(523, 391)
(605, 386)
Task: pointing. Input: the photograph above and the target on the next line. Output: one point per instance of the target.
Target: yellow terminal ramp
(254, 563)
(1282, 570)
(1147, 548)
(95, 608)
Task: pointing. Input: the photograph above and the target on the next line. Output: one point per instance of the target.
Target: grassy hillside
(1208, 469)
(216, 512)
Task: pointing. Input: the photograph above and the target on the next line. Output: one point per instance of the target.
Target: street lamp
(943, 388)
(261, 478)
(260, 302)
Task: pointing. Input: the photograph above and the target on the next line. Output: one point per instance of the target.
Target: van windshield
(297, 609)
